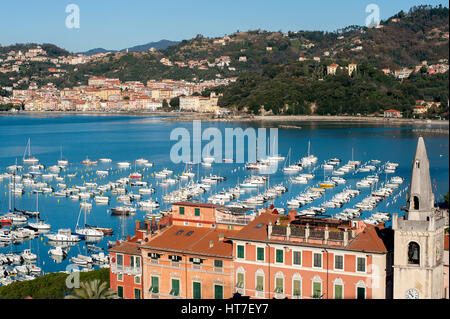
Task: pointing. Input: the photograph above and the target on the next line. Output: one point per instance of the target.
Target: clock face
(412, 294)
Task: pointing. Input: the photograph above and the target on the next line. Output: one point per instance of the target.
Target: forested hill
(305, 88)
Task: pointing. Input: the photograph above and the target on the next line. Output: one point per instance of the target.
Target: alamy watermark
(373, 19)
(189, 149)
(73, 19)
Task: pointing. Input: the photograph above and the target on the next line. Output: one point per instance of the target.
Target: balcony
(260, 294)
(132, 271)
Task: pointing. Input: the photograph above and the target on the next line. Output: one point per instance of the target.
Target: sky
(113, 24)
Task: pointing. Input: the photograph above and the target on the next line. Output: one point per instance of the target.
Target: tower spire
(420, 198)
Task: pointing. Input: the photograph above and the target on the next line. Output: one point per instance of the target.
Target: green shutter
(181, 210)
(197, 212)
(259, 283)
(137, 294)
(260, 254)
(361, 293)
(197, 290)
(337, 291)
(317, 290)
(218, 292)
(297, 288)
(279, 256)
(279, 285)
(120, 291)
(119, 260)
(240, 280)
(240, 251)
(175, 287)
(155, 285)
(297, 258)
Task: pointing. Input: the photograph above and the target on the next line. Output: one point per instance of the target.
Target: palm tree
(93, 290)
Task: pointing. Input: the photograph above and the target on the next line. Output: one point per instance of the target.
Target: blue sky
(120, 24)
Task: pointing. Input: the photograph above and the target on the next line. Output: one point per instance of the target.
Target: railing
(316, 234)
(126, 270)
(298, 232)
(336, 235)
(278, 230)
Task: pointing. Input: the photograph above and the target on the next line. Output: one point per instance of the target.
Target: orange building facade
(330, 260)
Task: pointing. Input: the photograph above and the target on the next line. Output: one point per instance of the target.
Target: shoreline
(189, 116)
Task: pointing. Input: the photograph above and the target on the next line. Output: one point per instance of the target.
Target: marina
(49, 203)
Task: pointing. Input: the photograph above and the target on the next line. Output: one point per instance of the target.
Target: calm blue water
(126, 138)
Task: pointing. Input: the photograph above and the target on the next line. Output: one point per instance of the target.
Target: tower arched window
(416, 202)
(413, 253)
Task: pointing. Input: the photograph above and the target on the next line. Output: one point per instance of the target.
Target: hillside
(159, 45)
(305, 88)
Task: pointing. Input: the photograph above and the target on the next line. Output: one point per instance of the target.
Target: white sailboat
(29, 159)
(62, 162)
(86, 232)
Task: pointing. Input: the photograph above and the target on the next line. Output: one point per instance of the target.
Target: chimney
(221, 236)
(326, 234)
(292, 213)
(128, 237)
(138, 224)
(211, 244)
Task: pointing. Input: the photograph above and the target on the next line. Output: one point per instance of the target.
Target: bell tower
(419, 237)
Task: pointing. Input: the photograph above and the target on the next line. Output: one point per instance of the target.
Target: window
(135, 262)
(317, 290)
(119, 277)
(137, 293)
(337, 291)
(175, 289)
(137, 279)
(240, 280)
(155, 285)
(218, 292)
(279, 255)
(197, 290)
(318, 260)
(413, 253)
(279, 283)
(361, 266)
(338, 262)
(297, 258)
(297, 287)
(260, 254)
(360, 293)
(416, 202)
(120, 291)
(240, 251)
(181, 210)
(218, 263)
(230, 227)
(197, 212)
(259, 283)
(119, 260)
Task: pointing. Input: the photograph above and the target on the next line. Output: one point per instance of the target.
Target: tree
(164, 103)
(93, 289)
(175, 102)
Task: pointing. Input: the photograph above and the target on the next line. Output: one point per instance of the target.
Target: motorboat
(39, 226)
(63, 235)
(57, 251)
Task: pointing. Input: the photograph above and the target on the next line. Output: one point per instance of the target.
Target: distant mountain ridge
(159, 45)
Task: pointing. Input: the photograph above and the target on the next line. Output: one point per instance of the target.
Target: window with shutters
(240, 251)
(279, 256)
(197, 212)
(297, 258)
(338, 291)
(197, 290)
(260, 254)
(175, 287)
(259, 283)
(181, 210)
(297, 287)
(218, 292)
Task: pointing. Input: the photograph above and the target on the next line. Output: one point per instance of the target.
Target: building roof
(372, 238)
(193, 240)
(195, 204)
(392, 110)
(127, 247)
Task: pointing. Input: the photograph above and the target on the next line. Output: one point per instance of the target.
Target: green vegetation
(50, 286)
(305, 88)
(93, 289)
(9, 107)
